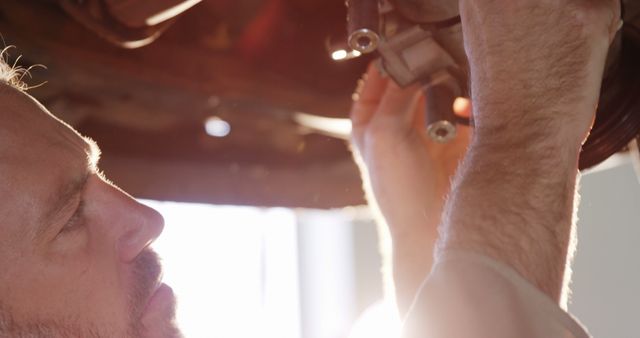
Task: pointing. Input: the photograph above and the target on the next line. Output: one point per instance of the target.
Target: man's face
(74, 260)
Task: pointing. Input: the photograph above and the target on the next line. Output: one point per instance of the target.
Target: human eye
(76, 221)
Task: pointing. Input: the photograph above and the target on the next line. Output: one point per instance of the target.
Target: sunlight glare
(380, 320)
(339, 54)
(233, 269)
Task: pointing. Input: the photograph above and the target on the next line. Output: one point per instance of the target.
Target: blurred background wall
(606, 280)
(301, 273)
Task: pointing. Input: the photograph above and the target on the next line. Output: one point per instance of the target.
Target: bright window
(234, 270)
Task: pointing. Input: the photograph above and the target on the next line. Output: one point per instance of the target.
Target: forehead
(25, 120)
(38, 152)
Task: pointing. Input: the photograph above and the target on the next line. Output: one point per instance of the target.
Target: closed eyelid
(66, 201)
(68, 209)
(76, 218)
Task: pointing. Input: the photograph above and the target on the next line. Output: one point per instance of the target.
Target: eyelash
(76, 220)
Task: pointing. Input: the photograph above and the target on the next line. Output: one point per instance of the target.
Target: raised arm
(536, 70)
(406, 175)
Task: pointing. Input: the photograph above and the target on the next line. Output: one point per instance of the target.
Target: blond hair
(13, 74)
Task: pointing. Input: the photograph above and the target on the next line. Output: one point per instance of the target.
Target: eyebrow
(69, 190)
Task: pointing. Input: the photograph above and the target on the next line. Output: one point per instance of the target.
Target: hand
(406, 174)
(538, 61)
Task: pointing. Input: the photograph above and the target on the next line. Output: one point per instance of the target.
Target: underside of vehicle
(145, 79)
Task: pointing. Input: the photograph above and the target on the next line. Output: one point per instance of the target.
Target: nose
(145, 228)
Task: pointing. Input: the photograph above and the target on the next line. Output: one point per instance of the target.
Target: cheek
(85, 288)
(99, 293)
(94, 283)
(74, 243)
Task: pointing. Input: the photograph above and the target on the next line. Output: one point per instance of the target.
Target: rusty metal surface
(253, 63)
(139, 13)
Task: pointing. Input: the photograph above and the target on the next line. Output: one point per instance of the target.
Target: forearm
(513, 200)
(412, 260)
(411, 224)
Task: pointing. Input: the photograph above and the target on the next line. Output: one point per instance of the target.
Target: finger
(419, 117)
(367, 97)
(462, 107)
(463, 135)
(398, 106)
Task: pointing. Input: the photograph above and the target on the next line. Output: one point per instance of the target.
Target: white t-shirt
(473, 296)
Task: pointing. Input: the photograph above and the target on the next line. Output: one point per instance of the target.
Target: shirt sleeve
(473, 296)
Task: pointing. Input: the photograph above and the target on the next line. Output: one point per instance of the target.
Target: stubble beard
(147, 274)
